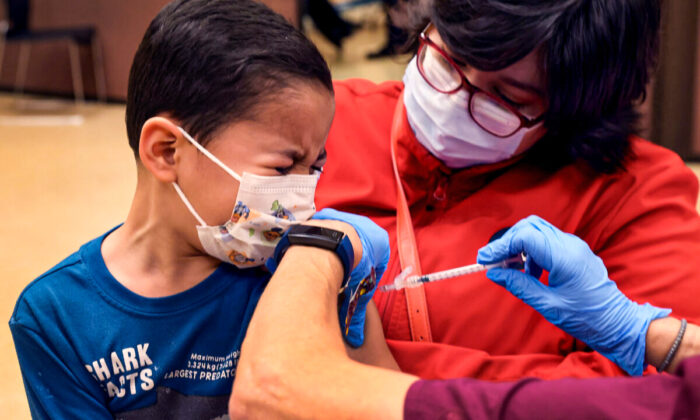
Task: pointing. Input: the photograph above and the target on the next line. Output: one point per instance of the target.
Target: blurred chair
(329, 22)
(16, 29)
(396, 37)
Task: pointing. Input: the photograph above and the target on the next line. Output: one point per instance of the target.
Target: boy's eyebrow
(293, 154)
(298, 155)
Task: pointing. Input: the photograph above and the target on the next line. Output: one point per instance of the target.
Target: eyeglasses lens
(493, 116)
(438, 71)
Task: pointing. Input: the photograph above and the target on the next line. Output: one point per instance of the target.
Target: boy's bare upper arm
(374, 351)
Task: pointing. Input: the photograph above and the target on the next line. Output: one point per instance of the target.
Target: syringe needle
(399, 281)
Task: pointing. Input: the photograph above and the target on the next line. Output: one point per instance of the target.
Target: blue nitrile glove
(366, 275)
(580, 298)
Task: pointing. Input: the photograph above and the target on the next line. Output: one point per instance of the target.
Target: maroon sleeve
(649, 397)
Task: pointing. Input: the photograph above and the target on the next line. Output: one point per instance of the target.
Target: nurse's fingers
(530, 235)
(499, 249)
(525, 287)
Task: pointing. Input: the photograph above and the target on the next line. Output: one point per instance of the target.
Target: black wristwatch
(319, 237)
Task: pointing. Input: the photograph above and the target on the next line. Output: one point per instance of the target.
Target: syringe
(404, 279)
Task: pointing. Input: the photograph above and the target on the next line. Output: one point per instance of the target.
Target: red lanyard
(406, 242)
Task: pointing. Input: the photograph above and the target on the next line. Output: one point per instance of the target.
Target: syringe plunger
(404, 279)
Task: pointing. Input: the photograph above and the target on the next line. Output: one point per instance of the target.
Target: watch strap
(318, 237)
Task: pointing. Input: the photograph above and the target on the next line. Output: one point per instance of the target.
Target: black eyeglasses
(444, 75)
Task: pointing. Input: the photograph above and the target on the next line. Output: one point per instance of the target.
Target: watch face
(315, 236)
(332, 234)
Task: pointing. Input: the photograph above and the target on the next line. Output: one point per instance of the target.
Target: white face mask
(443, 125)
(266, 207)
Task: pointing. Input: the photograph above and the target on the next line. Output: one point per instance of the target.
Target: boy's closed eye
(316, 166)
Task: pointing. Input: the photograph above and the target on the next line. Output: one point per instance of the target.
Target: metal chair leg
(2, 51)
(4, 26)
(76, 72)
(98, 69)
(22, 65)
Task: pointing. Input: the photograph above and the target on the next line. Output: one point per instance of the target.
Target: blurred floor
(68, 175)
(60, 186)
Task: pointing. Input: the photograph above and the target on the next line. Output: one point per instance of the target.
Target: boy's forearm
(293, 361)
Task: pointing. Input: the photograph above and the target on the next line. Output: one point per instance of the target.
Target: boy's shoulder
(62, 285)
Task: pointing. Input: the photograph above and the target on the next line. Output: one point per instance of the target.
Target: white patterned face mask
(266, 207)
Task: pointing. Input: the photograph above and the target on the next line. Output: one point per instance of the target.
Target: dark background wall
(121, 25)
(672, 113)
(676, 103)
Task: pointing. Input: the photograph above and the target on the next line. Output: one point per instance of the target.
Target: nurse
(283, 376)
(507, 109)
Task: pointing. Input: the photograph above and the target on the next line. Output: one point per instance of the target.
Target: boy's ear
(157, 147)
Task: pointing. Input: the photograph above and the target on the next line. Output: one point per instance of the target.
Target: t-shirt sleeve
(656, 396)
(54, 390)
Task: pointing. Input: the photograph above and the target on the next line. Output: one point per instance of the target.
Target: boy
(145, 321)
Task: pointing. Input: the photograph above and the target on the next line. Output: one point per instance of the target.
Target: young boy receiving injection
(147, 320)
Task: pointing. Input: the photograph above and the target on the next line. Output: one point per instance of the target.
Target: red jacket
(642, 222)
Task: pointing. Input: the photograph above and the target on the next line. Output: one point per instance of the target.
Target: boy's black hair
(597, 56)
(208, 63)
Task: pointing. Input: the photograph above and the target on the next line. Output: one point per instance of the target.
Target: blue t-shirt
(91, 349)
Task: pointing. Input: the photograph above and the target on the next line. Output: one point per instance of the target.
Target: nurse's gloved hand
(580, 298)
(365, 276)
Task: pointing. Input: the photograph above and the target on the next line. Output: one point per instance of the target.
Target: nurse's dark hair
(208, 63)
(597, 57)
